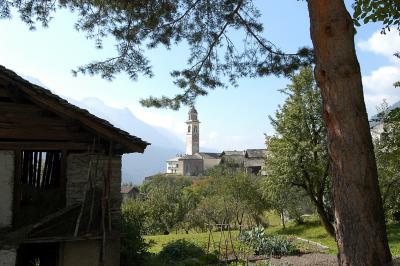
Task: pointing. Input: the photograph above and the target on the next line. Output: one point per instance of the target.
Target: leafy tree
(283, 199)
(298, 155)
(213, 209)
(188, 202)
(133, 246)
(239, 189)
(164, 202)
(386, 11)
(387, 154)
(205, 26)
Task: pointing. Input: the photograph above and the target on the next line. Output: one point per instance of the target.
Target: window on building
(40, 186)
(188, 128)
(195, 129)
(41, 169)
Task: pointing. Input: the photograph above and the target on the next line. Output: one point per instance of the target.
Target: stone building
(254, 160)
(129, 192)
(251, 160)
(60, 179)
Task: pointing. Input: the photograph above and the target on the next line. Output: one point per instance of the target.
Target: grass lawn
(311, 230)
(201, 239)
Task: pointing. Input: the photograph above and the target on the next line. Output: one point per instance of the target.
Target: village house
(129, 192)
(60, 179)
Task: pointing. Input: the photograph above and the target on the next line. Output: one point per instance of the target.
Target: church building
(194, 162)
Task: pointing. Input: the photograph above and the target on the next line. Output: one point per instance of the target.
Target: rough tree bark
(360, 224)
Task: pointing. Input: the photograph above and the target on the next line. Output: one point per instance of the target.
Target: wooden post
(17, 185)
(63, 176)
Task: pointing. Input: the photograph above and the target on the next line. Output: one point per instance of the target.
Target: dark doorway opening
(43, 254)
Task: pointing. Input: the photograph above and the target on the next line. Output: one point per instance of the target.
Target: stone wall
(210, 163)
(6, 187)
(8, 257)
(77, 177)
(192, 167)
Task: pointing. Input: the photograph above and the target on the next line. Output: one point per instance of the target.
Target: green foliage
(183, 252)
(387, 155)
(227, 195)
(297, 161)
(133, 246)
(385, 11)
(165, 202)
(230, 196)
(397, 84)
(264, 244)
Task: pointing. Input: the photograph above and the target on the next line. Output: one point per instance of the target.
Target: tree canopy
(385, 11)
(387, 155)
(298, 154)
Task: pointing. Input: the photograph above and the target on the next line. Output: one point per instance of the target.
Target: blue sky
(235, 118)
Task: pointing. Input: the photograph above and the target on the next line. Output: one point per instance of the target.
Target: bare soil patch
(312, 259)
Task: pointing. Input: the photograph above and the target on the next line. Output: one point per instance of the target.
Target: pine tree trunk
(360, 224)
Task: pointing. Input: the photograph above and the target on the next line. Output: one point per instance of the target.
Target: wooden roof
(45, 99)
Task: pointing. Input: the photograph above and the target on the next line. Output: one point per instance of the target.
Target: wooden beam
(4, 92)
(33, 120)
(63, 175)
(42, 133)
(42, 145)
(16, 237)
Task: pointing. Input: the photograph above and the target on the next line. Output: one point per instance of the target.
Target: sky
(233, 118)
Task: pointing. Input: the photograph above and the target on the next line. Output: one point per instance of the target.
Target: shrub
(133, 246)
(263, 244)
(183, 252)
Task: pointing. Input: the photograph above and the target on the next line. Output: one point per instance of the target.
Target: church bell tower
(192, 133)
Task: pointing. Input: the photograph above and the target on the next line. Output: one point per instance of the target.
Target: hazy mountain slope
(136, 166)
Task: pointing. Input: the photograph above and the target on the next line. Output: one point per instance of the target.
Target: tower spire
(193, 132)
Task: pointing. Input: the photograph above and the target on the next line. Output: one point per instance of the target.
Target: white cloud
(378, 85)
(383, 44)
(158, 119)
(382, 79)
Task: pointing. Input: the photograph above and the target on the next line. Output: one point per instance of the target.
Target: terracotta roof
(48, 100)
